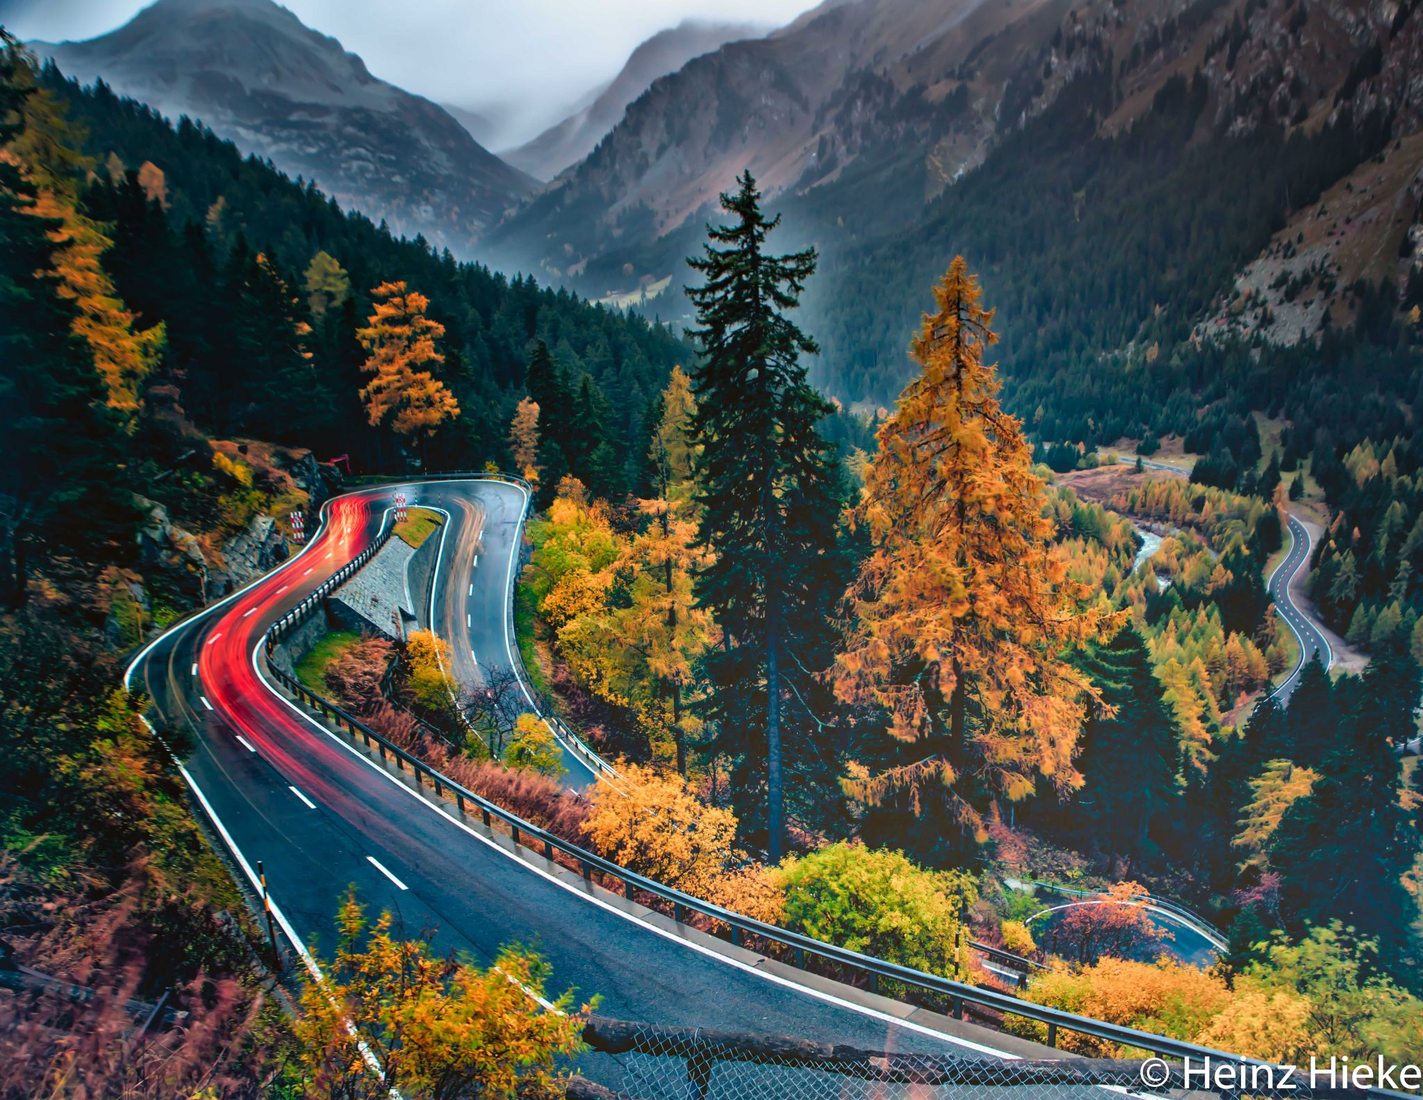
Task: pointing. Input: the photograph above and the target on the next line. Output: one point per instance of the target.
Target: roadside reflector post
(267, 912)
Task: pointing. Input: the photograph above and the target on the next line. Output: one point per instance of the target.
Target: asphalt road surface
(1312, 644)
(470, 592)
(281, 789)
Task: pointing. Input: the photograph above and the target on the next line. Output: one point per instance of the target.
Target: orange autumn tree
(124, 354)
(400, 343)
(524, 439)
(961, 612)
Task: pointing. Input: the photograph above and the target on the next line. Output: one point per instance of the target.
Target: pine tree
(1343, 851)
(59, 486)
(1314, 716)
(961, 611)
(765, 490)
(401, 343)
(1130, 752)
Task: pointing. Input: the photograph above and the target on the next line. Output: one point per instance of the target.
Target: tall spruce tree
(766, 492)
(1343, 850)
(1130, 750)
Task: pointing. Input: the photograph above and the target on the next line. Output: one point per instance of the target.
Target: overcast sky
(529, 59)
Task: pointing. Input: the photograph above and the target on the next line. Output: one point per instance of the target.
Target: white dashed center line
(310, 805)
(246, 744)
(382, 869)
(204, 698)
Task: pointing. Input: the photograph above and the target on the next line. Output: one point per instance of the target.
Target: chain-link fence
(652, 1062)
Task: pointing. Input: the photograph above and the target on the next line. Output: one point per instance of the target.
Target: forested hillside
(170, 315)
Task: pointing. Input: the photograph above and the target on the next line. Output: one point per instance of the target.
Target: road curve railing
(878, 975)
(739, 930)
(1208, 931)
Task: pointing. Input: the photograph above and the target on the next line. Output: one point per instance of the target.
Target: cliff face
(860, 117)
(254, 73)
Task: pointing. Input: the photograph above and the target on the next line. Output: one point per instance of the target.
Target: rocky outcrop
(177, 555)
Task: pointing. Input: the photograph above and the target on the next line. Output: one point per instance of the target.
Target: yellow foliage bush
(652, 824)
(1165, 997)
(429, 684)
(234, 468)
(1263, 1023)
(1017, 938)
(753, 891)
(534, 747)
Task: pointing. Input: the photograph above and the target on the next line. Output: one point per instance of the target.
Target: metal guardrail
(739, 930)
(796, 947)
(1207, 930)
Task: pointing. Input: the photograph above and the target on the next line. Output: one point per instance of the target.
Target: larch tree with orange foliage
(524, 439)
(124, 354)
(401, 347)
(961, 611)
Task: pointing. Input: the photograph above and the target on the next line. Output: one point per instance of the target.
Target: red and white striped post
(298, 527)
(400, 502)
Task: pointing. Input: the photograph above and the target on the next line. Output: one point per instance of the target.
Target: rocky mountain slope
(572, 139)
(877, 127)
(254, 73)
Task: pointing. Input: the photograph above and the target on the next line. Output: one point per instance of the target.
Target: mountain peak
(667, 51)
(254, 73)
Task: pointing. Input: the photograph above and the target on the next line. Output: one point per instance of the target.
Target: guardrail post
(874, 982)
(488, 821)
(627, 889)
(800, 958)
(956, 1009)
(515, 829)
(548, 850)
(459, 801)
(736, 935)
(1052, 1035)
(677, 912)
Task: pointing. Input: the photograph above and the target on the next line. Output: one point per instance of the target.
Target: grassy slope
(311, 669)
(419, 525)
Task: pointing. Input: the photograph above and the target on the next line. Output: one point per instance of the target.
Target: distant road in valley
(1312, 642)
(1285, 586)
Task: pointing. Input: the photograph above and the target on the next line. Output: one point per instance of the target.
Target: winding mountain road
(280, 788)
(1290, 572)
(1285, 581)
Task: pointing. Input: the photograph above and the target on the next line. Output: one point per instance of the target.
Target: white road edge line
(195, 668)
(246, 744)
(671, 937)
(666, 934)
(383, 869)
(296, 941)
(310, 805)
